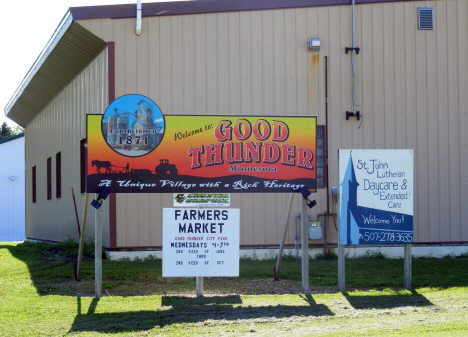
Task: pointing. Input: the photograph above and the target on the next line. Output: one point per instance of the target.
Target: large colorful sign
(133, 148)
(200, 242)
(376, 197)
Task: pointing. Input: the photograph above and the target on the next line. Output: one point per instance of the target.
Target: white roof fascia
(49, 47)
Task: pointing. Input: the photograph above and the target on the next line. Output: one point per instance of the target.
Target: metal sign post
(341, 268)
(280, 252)
(305, 247)
(408, 263)
(199, 285)
(98, 250)
(102, 195)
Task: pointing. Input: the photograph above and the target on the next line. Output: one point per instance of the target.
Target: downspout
(325, 237)
(354, 51)
(354, 60)
(326, 134)
(138, 18)
(327, 213)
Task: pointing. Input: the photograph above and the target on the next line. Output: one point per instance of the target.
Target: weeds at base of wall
(330, 255)
(447, 256)
(149, 258)
(373, 255)
(368, 255)
(291, 256)
(250, 258)
(453, 256)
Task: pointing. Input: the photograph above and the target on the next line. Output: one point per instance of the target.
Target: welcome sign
(134, 148)
(376, 196)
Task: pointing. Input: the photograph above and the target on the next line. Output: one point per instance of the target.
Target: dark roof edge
(203, 7)
(6, 140)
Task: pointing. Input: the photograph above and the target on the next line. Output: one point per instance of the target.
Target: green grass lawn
(39, 297)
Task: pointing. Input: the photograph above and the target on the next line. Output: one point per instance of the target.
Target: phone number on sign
(386, 236)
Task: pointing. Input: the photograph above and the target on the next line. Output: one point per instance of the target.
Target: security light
(305, 193)
(103, 193)
(313, 45)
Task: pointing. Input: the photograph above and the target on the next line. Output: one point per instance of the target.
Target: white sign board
(201, 200)
(200, 242)
(376, 197)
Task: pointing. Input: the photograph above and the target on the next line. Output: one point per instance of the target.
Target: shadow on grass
(51, 268)
(180, 310)
(45, 265)
(390, 301)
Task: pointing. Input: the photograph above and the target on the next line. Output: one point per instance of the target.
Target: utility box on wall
(315, 230)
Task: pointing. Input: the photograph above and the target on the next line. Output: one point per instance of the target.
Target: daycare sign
(134, 148)
(376, 197)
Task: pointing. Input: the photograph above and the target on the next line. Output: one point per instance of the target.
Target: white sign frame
(376, 196)
(201, 242)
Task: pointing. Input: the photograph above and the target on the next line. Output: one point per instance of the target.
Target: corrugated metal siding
(59, 128)
(411, 90)
(12, 191)
(209, 64)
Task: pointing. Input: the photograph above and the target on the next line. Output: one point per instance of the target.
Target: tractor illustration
(165, 168)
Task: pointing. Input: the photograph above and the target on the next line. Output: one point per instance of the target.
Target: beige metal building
(251, 57)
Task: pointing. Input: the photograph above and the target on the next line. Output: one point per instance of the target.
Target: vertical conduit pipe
(354, 59)
(326, 160)
(326, 133)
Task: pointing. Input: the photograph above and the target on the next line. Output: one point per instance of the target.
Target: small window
(58, 175)
(83, 165)
(49, 178)
(34, 184)
(320, 158)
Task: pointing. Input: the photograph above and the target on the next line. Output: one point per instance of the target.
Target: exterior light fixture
(103, 193)
(313, 45)
(305, 194)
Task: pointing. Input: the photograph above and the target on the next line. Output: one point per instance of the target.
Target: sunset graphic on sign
(255, 150)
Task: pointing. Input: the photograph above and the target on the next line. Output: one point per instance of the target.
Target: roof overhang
(68, 51)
